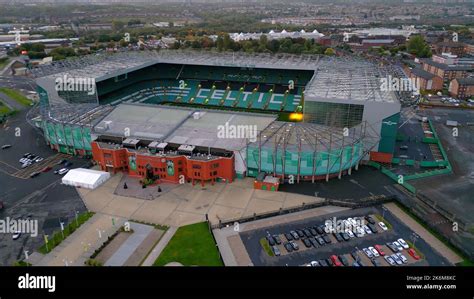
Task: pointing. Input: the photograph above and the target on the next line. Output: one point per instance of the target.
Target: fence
(362, 203)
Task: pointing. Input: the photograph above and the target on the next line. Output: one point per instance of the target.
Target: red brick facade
(167, 168)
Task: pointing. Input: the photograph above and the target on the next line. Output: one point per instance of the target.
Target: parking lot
(344, 251)
(43, 197)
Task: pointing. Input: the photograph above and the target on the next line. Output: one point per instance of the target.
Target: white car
(389, 260)
(374, 251)
(367, 229)
(383, 226)
(39, 159)
(314, 264)
(399, 247)
(360, 232)
(63, 171)
(16, 235)
(402, 257)
(24, 165)
(397, 260)
(403, 243)
(350, 233)
(368, 253)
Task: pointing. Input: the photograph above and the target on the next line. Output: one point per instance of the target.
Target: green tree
(329, 51)
(418, 47)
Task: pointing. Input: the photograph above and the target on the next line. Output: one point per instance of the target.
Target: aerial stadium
(157, 114)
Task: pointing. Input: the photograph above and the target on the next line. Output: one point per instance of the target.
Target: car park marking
(37, 167)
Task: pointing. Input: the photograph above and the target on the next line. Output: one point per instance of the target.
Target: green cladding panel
(388, 133)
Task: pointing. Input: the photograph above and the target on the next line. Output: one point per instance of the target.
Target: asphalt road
(42, 197)
(399, 230)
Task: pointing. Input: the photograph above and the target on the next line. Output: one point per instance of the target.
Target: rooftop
(346, 77)
(422, 73)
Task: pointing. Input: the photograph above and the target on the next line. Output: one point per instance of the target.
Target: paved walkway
(140, 232)
(79, 246)
(155, 253)
(10, 103)
(442, 249)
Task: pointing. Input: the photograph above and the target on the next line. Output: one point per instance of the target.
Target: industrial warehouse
(160, 115)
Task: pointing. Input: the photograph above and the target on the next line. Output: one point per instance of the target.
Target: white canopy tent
(85, 178)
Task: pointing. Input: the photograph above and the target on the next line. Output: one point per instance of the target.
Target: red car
(335, 261)
(413, 253)
(46, 169)
(379, 249)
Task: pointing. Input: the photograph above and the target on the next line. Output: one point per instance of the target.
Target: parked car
(46, 169)
(403, 243)
(289, 237)
(5, 146)
(367, 229)
(67, 164)
(368, 252)
(35, 174)
(326, 239)
(277, 239)
(276, 251)
(294, 245)
(413, 254)
(390, 260)
(288, 247)
(383, 226)
(372, 228)
(370, 219)
(306, 242)
(402, 257)
(319, 229)
(314, 264)
(323, 263)
(320, 241)
(338, 237)
(374, 251)
(335, 261)
(399, 247)
(300, 233)
(344, 260)
(392, 247)
(376, 262)
(295, 235)
(24, 165)
(307, 233)
(313, 232)
(39, 159)
(314, 242)
(270, 240)
(360, 232)
(350, 234)
(379, 250)
(61, 171)
(397, 260)
(345, 236)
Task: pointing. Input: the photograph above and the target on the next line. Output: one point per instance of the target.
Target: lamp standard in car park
(414, 238)
(383, 212)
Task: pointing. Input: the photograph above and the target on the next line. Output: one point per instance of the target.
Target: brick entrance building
(173, 164)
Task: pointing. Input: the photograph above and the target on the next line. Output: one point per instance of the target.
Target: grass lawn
(16, 96)
(4, 110)
(3, 62)
(57, 237)
(266, 246)
(191, 245)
